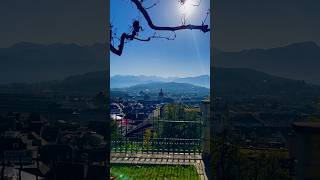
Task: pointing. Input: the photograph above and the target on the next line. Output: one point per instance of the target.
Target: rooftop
(310, 127)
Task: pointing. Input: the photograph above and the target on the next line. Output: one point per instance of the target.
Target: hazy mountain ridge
(203, 80)
(298, 61)
(168, 87)
(31, 62)
(123, 81)
(227, 82)
(242, 82)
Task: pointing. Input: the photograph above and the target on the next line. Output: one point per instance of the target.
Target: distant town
(50, 132)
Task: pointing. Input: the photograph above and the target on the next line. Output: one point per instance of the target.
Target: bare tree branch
(203, 28)
(123, 37)
(137, 28)
(153, 5)
(164, 37)
(207, 14)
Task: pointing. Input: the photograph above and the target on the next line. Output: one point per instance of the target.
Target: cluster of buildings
(67, 140)
(134, 114)
(67, 135)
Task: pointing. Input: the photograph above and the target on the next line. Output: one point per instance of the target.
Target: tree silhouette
(136, 28)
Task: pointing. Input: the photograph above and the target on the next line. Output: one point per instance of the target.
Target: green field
(153, 172)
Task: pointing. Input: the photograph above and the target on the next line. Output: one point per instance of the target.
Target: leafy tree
(114, 130)
(146, 138)
(181, 123)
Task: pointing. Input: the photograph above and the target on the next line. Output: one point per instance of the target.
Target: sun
(186, 7)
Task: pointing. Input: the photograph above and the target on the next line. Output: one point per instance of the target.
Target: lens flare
(186, 8)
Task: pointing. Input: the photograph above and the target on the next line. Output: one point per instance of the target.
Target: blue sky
(187, 55)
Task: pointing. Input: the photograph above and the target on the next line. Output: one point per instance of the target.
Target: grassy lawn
(154, 172)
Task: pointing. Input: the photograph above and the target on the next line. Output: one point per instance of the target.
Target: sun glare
(186, 8)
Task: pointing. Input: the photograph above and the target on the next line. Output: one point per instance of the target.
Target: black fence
(157, 136)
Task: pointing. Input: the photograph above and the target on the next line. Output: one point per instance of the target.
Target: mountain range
(123, 81)
(300, 61)
(29, 62)
(226, 82)
(167, 87)
(242, 82)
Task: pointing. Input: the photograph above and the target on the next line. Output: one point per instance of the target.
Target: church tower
(161, 96)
